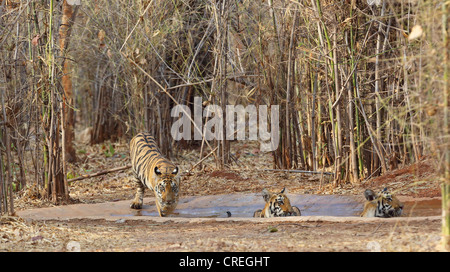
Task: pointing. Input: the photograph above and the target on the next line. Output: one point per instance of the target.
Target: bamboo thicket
(360, 87)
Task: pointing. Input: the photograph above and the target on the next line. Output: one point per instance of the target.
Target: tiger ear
(157, 171)
(175, 171)
(282, 191)
(266, 195)
(369, 194)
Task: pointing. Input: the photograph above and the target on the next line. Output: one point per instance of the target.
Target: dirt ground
(214, 235)
(246, 175)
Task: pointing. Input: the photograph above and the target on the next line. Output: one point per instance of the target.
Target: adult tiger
(383, 204)
(277, 204)
(155, 172)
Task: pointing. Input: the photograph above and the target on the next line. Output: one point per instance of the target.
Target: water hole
(239, 205)
(244, 205)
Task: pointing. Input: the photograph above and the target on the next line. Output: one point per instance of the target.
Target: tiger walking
(151, 170)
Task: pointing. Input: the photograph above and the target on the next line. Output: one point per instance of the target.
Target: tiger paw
(296, 211)
(136, 205)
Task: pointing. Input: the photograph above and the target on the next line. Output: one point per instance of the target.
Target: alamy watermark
(221, 125)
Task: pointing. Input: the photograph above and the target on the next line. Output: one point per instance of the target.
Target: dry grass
(101, 235)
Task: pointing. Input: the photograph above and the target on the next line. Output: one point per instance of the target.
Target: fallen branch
(204, 158)
(100, 173)
(298, 171)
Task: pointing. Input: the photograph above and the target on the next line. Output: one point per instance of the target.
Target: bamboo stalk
(313, 130)
(7, 181)
(377, 87)
(446, 182)
(223, 52)
(351, 46)
(353, 160)
(63, 146)
(288, 120)
(3, 191)
(335, 73)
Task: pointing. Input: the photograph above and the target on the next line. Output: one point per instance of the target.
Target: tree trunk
(51, 112)
(68, 16)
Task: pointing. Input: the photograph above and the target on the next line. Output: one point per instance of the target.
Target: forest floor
(246, 175)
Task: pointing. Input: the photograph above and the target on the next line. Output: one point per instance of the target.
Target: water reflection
(244, 205)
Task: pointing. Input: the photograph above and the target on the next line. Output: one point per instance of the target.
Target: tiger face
(166, 185)
(383, 204)
(277, 205)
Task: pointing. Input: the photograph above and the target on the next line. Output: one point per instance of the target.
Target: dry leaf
(374, 2)
(416, 32)
(74, 2)
(346, 21)
(35, 40)
(101, 37)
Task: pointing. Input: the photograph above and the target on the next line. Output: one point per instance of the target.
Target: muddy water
(244, 205)
(238, 205)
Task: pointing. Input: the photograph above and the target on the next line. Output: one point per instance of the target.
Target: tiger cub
(155, 172)
(277, 204)
(383, 204)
